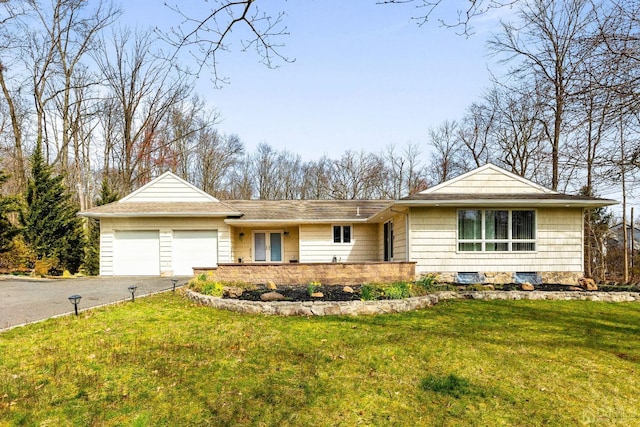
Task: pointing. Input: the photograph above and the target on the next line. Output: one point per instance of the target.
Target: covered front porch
(326, 273)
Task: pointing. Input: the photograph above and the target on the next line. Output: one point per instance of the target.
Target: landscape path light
(75, 299)
(174, 281)
(132, 289)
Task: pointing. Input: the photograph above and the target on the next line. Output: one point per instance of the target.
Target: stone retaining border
(355, 308)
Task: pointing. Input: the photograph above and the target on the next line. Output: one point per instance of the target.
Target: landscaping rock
(317, 295)
(348, 289)
(271, 286)
(587, 284)
(488, 288)
(232, 291)
(526, 286)
(272, 296)
(574, 288)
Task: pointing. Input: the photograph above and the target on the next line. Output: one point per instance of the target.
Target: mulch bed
(300, 293)
(336, 292)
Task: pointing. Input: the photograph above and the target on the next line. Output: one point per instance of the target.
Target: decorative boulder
(588, 284)
(488, 288)
(272, 296)
(347, 290)
(526, 286)
(232, 291)
(271, 285)
(317, 295)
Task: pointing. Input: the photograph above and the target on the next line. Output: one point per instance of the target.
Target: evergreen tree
(92, 251)
(51, 227)
(8, 205)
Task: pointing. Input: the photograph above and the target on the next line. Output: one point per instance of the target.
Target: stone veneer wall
(354, 308)
(340, 273)
(503, 278)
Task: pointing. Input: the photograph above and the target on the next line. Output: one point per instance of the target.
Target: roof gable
(168, 187)
(488, 179)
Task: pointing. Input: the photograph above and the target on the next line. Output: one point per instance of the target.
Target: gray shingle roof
(307, 210)
(171, 209)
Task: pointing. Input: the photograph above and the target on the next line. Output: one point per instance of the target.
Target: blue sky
(364, 76)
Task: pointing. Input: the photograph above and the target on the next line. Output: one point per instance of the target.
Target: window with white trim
(341, 234)
(483, 230)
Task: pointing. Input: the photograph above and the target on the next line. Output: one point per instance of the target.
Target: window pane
(470, 247)
(336, 233)
(523, 224)
(469, 224)
(496, 225)
(529, 246)
(276, 246)
(496, 247)
(346, 234)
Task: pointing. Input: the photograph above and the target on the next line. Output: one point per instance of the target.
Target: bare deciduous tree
(143, 88)
(544, 48)
(207, 36)
(447, 158)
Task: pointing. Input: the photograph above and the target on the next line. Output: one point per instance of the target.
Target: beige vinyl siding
(166, 247)
(316, 243)
(558, 244)
(399, 238)
(244, 248)
(106, 251)
(165, 226)
(169, 189)
(489, 181)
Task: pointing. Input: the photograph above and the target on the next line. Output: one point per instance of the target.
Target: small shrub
(206, 285)
(427, 284)
(369, 292)
(45, 266)
(312, 287)
(426, 281)
(19, 257)
(398, 290)
(212, 288)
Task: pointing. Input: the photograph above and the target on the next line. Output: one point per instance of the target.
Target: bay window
(496, 230)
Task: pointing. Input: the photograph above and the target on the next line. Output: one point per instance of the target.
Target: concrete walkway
(27, 300)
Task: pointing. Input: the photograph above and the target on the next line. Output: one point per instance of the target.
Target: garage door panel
(136, 253)
(194, 248)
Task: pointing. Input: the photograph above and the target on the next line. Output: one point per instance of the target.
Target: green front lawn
(164, 361)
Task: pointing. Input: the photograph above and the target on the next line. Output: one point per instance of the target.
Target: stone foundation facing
(355, 308)
(504, 278)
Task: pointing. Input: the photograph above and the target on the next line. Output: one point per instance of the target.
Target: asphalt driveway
(27, 300)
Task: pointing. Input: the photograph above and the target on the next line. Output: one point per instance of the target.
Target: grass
(164, 361)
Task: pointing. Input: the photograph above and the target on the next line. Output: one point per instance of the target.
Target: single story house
(485, 226)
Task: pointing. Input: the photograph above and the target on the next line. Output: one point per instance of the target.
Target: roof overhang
(157, 214)
(284, 222)
(510, 203)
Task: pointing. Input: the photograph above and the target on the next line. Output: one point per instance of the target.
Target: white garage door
(197, 248)
(136, 253)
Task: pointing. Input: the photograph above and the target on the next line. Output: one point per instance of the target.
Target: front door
(267, 246)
